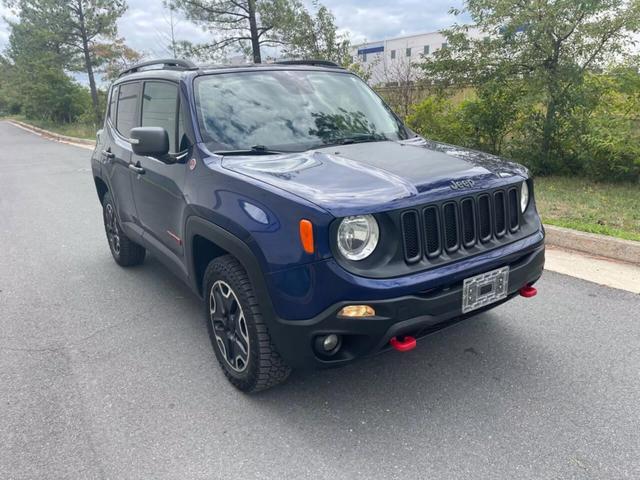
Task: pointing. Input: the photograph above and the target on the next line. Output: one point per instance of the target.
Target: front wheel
(237, 330)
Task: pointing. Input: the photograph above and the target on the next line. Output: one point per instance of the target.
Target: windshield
(291, 110)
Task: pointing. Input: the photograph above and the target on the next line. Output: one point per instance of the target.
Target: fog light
(357, 311)
(328, 345)
(330, 342)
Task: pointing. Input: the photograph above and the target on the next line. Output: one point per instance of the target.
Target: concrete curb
(53, 135)
(593, 244)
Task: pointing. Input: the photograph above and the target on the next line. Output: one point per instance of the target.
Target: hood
(378, 176)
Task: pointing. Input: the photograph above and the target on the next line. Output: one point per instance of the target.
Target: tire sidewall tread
(131, 253)
(265, 367)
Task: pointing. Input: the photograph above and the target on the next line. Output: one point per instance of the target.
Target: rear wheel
(125, 252)
(237, 330)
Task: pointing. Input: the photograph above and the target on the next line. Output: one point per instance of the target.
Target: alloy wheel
(111, 225)
(229, 326)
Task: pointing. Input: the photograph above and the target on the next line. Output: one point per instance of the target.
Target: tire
(125, 251)
(238, 333)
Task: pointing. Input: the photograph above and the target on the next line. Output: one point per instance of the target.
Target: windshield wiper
(254, 150)
(361, 138)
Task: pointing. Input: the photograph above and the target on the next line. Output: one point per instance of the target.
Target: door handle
(108, 154)
(136, 168)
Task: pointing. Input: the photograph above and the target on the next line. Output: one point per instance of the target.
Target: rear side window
(112, 105)
(160, 109)
(127, 108)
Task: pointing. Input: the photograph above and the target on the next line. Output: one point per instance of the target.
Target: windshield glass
(291, 110)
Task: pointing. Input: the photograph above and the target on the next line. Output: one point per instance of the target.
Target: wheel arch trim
(197, 226)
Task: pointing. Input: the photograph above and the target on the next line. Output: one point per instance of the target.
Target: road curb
(593, 244)
(53, 135)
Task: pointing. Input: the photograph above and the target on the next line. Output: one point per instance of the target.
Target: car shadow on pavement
(453, 370)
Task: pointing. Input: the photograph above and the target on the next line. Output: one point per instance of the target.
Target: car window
(126, 116)
(160, 107)
(183, 139)
(112, 104)
(290, 110)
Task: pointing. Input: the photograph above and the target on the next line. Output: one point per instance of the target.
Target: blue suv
(313, 224)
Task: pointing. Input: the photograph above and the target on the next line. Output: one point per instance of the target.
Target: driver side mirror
(149, 141)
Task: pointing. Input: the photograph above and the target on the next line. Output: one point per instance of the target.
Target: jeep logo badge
(460, 184)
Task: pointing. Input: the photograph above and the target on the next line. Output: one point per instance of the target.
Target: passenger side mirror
(149, 141)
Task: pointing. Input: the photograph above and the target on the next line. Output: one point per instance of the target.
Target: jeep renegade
(313, 224)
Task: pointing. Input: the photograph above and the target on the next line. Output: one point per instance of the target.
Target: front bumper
(417, 314)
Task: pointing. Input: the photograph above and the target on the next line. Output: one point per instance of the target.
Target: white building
(386, 58)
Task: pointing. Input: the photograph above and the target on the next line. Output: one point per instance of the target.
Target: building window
(393, 54)
(408, 52)
(364, 57)
(445, 45)
(426, 49)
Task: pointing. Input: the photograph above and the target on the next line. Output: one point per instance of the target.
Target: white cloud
(5, 12)
(145, 28)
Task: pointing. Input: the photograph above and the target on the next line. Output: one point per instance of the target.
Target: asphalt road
(108, 373)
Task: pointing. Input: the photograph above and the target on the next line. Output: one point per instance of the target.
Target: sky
(145, 24)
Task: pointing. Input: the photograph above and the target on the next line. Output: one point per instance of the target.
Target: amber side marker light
(306, 236)
(357, 311)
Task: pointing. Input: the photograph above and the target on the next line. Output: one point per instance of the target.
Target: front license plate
(485, 289)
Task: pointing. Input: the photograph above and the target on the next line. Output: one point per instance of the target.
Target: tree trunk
(89, 66)
(253, 27)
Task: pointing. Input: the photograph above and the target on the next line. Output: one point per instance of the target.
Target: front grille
(484, 218)
(499, 209)
(450, 216)
(432, 231)
(513, 210)
(459, 225)
(411, 236)
(468, 222)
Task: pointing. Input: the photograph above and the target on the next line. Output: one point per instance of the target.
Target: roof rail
(167, 63)
(313, 63)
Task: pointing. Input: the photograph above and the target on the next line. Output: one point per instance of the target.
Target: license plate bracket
(485, 289)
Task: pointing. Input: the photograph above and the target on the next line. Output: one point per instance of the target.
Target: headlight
(358, 236)
(524, 196)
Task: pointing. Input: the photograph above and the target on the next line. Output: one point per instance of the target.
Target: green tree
(249, 25)
(38, 82)
(80, 27)
(316, 36)
(242, 24)
(9, 103)
(548, 45)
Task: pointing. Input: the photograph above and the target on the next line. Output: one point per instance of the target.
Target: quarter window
(160, 107)
(126, 116)
(112, 104)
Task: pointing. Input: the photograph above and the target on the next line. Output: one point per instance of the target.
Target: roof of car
(172, 69)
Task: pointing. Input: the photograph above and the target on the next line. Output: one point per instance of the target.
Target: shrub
(437, 118)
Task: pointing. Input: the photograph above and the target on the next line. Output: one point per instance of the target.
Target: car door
(122, 117)
(158, 185)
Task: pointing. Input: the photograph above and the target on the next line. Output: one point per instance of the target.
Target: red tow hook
(407, 343)
(528, 291)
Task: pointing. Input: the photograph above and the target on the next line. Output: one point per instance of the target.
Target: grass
(78, 130)
(606, 208)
